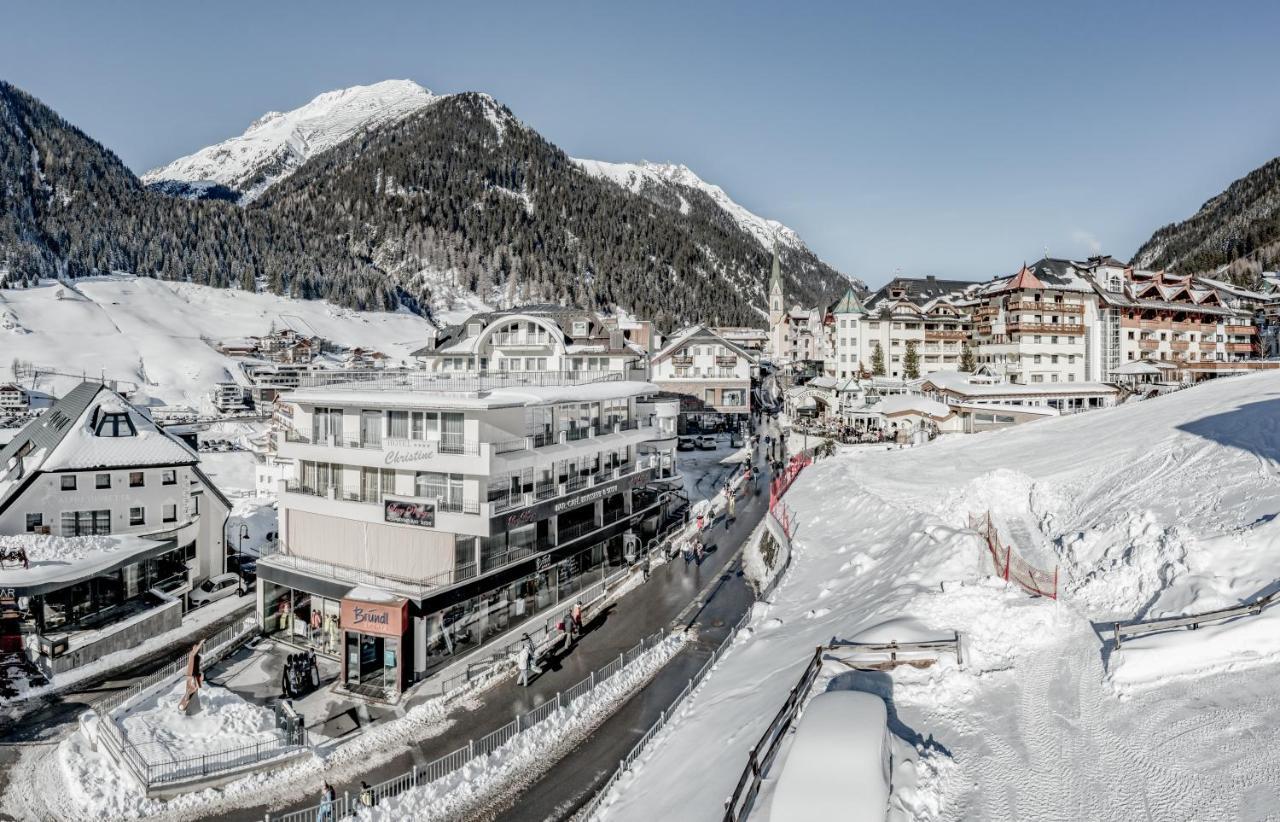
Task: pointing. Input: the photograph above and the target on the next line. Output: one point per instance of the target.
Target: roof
(695, 332)
(1023, 279)
(895, 404)
(775, 277)
(562, 316)
(917, 290)
(959, 383)
(62, 439)
(1049, 274)
(849, 303)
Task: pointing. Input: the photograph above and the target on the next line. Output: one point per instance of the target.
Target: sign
(401, 512)
(542, 510)
(381, 618)
(416, 454)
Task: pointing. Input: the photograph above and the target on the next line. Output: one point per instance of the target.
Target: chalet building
(1040, 326)
(925, 321)
(116, 521)
(230, 397)
(14, 399)
(534, 338)
(709, 373)
(987, 390)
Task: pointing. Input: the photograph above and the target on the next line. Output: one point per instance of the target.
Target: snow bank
(160, 730)
(1157, 659)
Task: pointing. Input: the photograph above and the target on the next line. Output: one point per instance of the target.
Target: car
(707, 442)
(840, 763)
(685, 444)
(736, 441)
(213, 589)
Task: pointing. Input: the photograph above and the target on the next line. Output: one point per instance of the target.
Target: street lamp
(244, 534)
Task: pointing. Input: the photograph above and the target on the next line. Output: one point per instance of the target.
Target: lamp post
(244, 534)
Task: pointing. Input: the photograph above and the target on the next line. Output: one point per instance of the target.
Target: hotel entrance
(373, 629)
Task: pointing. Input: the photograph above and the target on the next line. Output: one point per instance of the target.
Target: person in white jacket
(524, 660)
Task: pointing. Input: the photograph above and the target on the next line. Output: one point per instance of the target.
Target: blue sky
(932, 138)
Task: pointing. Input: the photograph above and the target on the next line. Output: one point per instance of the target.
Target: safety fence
(738, 805)
(624, 765)
(1190, 621)
(782, 482)
(1010, 566)
(344, 805)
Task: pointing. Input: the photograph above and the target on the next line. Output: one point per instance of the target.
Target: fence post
(517, 723)
(593, 680)
(346, 802)
(415, 776)
(471, 749)
(559, 699)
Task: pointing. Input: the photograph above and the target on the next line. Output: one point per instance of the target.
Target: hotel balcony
(1246, 330)
(678, 360)
(938, 335)
(450, 453)
(615, 434)
(1068, 329)
(726, 360)
(1148, 345)
(1045, 307)
(1179, 345)
(1239, 348)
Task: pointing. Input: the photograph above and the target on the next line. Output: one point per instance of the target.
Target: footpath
(652, 605)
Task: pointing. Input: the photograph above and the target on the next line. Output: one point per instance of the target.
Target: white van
(840, 762)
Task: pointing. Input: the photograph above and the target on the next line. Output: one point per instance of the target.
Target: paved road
(45, 719)
(579, 775)
(653, 605)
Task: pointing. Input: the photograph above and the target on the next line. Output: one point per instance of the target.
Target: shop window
(68, 482)
(136, 479)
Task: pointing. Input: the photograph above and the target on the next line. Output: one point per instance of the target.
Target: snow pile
(484, 782)
(277, 143)
(45, 549)
(257, 518)
(158, 728)
(1157, 508)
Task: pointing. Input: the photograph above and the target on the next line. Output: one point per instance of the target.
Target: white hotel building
(434, 510)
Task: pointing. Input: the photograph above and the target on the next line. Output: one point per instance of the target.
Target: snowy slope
(154, 335)
(636, 176)
(1161, 507)
(277, 143)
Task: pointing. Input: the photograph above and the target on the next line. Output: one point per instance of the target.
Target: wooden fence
(1190, 621)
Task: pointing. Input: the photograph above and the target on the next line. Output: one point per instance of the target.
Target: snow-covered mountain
(277, 143)
(638, 177)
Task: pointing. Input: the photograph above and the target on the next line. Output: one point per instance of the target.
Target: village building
(14, 399)
(712, 376)
(115, 522)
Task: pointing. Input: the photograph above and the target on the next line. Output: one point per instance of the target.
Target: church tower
(777, 302)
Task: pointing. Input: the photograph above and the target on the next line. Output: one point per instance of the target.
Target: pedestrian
(366, 795)
(645, 565)
(327, 795)
(566, 625)
(524, 661)
(699, 553)
(577, 616)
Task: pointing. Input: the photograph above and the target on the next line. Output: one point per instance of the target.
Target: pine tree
(911, 361)
(967, 362)
(877, 360)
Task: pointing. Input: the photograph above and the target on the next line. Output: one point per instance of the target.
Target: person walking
(524, 660)
(366, 795)
(327, 796)
(566, 624)
(645, 565)
(577, 617)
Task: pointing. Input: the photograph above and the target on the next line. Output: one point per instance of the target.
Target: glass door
(371, 429)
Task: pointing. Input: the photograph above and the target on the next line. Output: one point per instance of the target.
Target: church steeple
(777, 300)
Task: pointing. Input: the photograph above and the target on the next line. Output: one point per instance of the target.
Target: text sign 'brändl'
(409, 513)
(381, 618)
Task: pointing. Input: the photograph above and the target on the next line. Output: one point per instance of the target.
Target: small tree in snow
(877, 361)
(911, 361)
(967, 361)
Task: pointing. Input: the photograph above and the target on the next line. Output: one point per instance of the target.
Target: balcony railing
(463, 382)
(944, 334)
(274, 555)
(726, 360)
(1247, 330)
(1045, 307)
(1148, 345)
(371, 497)
(520, 339)
(573, 532)
(1068, 329)
(503, 500)
(1240, 347)
(447, 443)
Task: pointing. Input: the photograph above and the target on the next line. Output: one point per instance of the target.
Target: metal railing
(446, 443)
(463, 382)
(1189, 621)
(441, 767)
(273, 555)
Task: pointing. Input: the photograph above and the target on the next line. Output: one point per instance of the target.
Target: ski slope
(154, 336)
(1157, 508)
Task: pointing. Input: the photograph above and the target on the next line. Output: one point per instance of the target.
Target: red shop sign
(381, 618)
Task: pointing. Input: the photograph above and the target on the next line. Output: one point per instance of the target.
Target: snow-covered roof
(913, 404)
(56, 561)
(959, 383)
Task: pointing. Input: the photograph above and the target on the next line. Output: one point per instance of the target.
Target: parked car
(686, 444)
(736, 441)
(708, 443)
(840, 764)
(214, 589)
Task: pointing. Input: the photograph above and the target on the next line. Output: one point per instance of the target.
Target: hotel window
(68, 482)
(1053, 359)
(136, 479)
(170, 512)
(137, 515)
(1037, 359)
(115, 425)
(102, 481)
(709, 396)
(1054, 340)
(326, 424)
(86, 523)
(34, 521)
(398, 425)
(1037, 377)
(169, 477)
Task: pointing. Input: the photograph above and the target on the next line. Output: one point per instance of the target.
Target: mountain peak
(277, 143)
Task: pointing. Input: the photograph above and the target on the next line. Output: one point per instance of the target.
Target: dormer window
(473, 330)
(115, 424)
(579, 328)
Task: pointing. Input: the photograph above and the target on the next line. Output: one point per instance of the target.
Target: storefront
(374, 661)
